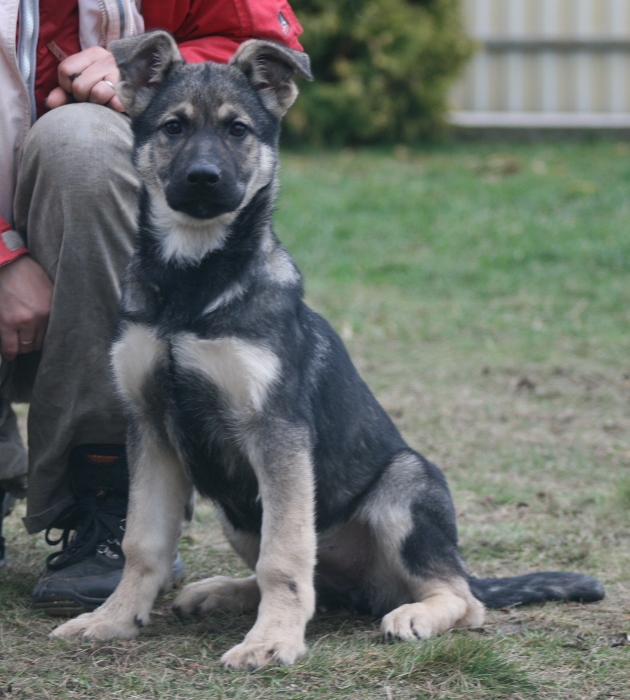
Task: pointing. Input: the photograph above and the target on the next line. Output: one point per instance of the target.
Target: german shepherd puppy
(235, 387)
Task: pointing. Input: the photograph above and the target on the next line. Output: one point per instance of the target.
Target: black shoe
(6, 506)
(85, 572)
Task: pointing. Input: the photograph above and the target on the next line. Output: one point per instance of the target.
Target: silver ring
(26, 342)
(111, 85)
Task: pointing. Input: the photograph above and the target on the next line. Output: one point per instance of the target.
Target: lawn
(484, 293)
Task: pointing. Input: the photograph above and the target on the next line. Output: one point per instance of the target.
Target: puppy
(235, 387)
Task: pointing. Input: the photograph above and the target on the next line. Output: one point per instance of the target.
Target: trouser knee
(79, 156)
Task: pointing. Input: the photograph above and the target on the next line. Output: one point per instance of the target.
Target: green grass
(484, 293)
(485, 259)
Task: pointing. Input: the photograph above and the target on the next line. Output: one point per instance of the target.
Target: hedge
(382, 69)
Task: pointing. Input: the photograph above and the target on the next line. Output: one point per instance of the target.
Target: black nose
(203, 175)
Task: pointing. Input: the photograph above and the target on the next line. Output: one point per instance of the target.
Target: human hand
(25, 299)
(86, 77)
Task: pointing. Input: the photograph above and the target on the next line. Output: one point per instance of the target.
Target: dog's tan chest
(242, 371)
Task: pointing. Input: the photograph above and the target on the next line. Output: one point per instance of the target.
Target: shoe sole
(66, 607)
(71, 606)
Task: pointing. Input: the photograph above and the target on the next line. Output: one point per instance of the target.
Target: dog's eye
(173, 127)
(238, 129)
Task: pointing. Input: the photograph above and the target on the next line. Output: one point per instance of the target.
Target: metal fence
(546, 63)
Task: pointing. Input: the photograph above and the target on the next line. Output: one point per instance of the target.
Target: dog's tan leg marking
(287, 557)
(218, 593)
(444, 606)
(159, 495)
(244, 373)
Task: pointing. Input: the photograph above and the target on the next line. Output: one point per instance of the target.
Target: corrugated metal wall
(550, 61)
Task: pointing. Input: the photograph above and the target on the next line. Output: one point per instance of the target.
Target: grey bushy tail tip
(537, 588)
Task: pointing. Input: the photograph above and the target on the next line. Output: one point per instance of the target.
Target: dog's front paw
(217, 593)
(258, 651)
(99, 626)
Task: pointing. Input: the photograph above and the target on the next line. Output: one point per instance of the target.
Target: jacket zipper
(27, 47)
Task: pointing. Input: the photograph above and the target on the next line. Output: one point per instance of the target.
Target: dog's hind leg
(158, 499)
(444, 605)
(417, 575)
(218, 593)
(285, 567)
(222, 592)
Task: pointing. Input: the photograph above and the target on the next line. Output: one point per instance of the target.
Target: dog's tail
(536, 588)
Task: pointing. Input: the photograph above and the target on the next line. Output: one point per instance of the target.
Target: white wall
(548, 61)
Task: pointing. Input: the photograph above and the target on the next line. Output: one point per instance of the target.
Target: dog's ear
(269, 68)
(143, 62)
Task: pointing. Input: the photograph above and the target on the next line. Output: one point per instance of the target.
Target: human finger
(73, 66)
(93, 79)
(57, 98)
(104, 93)
(40, 333)
(9, 344)
(26, 341)
(31, 337)
(116, 104)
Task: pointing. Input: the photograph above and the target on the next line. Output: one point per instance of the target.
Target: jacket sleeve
(11, 243)
(212, 30)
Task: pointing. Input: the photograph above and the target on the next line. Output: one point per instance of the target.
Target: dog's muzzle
(204, 191)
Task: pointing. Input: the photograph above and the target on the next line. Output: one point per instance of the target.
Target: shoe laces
(98, 524)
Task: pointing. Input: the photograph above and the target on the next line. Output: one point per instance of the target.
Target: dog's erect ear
(269, 67)
(143, 62)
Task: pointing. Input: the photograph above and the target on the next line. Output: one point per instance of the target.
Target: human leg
(76, 207)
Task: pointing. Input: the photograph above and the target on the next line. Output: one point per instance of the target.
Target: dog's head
(206, 134)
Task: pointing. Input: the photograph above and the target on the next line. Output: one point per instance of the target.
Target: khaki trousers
(76, 206)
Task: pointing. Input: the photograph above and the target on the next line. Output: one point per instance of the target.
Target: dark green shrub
(382, 69)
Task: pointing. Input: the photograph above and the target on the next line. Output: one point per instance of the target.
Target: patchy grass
(484, 294)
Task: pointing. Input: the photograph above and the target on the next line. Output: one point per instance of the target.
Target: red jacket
(206, 30)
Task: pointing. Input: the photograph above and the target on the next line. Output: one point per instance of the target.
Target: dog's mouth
(200, 210)
(204, 187)
(207, 207)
